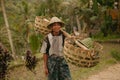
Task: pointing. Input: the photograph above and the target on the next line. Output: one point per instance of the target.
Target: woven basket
(80, 57)
(41, 25)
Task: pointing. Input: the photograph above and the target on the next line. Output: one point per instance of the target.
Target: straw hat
(54, 20)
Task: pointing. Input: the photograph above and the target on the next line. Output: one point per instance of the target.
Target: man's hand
(46, 71)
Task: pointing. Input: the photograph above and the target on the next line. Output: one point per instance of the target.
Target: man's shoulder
(47, 37)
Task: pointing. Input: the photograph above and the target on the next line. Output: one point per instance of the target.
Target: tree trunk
(119, 14)
(7, 27)
(78, 24)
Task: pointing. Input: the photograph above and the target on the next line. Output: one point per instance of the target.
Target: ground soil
(21, 73)
(110, 73)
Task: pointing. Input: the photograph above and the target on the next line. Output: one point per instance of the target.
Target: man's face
(56, 27)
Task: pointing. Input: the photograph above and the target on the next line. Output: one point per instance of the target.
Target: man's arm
(45, 58)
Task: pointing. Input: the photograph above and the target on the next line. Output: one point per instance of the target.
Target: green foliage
(19, 41)
(100, 36)
(41, 11)
(111, 61)
(95, 7)
(34, 42)
(108, 3)
(49, 8)
(108, 25)
(25, 7)
(4, 37)
(116, 55)
(1, 19)
(84, 1)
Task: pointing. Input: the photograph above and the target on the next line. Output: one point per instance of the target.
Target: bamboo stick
(77, 43)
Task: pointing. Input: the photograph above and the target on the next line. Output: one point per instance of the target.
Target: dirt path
(21, 73)
(111, 73)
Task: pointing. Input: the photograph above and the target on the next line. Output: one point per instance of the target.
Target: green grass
(100, 37)
(116, 55)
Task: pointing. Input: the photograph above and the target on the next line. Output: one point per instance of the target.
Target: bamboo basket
(80, 57)
(73, 53)
(41, 25)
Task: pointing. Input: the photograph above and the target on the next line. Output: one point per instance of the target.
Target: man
(55, 65)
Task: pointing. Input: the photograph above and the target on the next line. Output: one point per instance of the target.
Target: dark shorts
(58, 68)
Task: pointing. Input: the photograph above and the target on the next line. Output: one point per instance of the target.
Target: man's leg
(64, 71)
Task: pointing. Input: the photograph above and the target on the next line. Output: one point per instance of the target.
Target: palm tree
(7, 27)
(119, 15)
